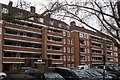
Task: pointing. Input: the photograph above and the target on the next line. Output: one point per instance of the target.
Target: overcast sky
(35, 3)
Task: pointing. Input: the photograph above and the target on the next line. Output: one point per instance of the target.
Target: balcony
(23, 29)
(55, 31)
(109, 53)
(10, 48)
(22, 38)
(97, 58)
(109, 47)
(24, 23)
(96, 38)
(13, 60)
(96, 45)
(82, 42)
(95, 51)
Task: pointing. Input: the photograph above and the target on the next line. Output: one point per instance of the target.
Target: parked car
(19, 77)
(48, 76)
(31, 71)
(106, 73)
(66, 73)
(91, 74)
(83, 67)
(111, 69)
(2, 75)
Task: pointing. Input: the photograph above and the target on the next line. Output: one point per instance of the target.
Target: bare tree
(103, 12)
(24, 5)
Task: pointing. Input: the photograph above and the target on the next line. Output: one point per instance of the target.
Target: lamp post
(104, 59)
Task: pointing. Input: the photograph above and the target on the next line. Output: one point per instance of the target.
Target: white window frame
(72, 42)
(68, 41)
(64, 33)
(64, 49)
(81, 34)
(68, 50)
(72, 58)
(68, 33)
(72, 50)
(14, 66)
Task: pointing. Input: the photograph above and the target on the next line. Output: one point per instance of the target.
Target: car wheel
(2, 77)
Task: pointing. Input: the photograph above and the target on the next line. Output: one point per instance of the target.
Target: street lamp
(104, 59)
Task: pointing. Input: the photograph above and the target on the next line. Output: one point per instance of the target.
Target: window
(88, 58)
(72, 42)
(68, 33)
(85, 35)
(68, 50)
(116, 59)
(115, 54)
(64, 33)
(88, 50)
(64, 41)
(115, 48)
(72, 50)
(68, 41)
(64, 65)
(14, 66)
(64, 58)
(72, 58)
(64, 49)
(68, 58)
(72, 65)
(87, 43)
(81, 34)
(0, 30)
(68, 65)
(5, 10)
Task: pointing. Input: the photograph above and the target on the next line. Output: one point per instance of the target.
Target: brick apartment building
(46, 42)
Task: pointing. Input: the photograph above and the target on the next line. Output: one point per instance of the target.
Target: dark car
(111, 69)
(91, 74)
(106, 73)
(19, 77)
(96, 75)
(31, 71)
(66, 73)
(48, 76)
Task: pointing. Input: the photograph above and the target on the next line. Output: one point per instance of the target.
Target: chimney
(48, 15)
(32, 9)
(72, 25)
(10, 4)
